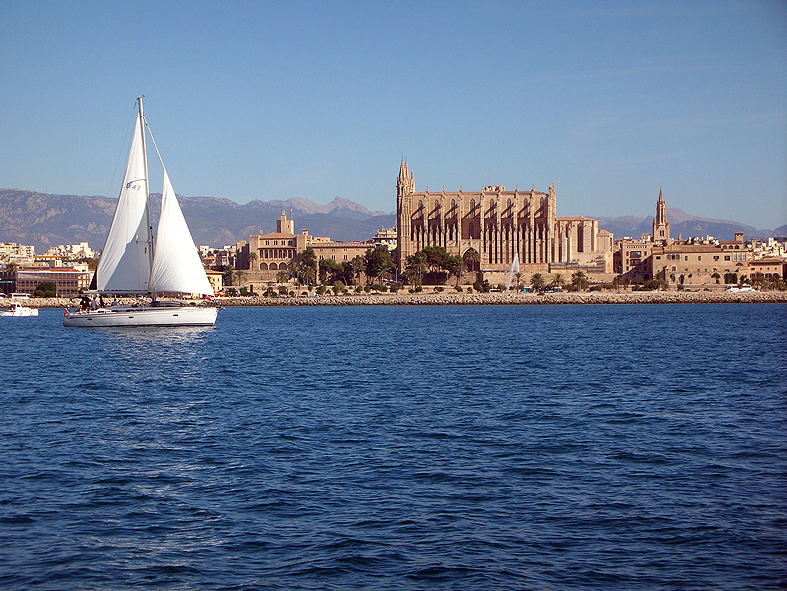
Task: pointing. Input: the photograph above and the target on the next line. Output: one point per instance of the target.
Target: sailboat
(132, 262)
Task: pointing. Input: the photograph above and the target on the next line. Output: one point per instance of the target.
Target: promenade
(458, 299)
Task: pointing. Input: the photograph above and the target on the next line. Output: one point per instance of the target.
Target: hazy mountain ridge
(338, 206)
(685, 225)
(46, 220)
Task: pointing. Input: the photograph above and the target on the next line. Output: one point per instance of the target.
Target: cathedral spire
(405, 184)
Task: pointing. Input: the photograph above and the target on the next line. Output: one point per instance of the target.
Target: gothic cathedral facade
(492, 227)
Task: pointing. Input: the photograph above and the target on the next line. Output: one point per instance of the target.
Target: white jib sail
(125, 260)
(176, 266)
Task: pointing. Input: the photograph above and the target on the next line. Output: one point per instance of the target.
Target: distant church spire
(660, 222)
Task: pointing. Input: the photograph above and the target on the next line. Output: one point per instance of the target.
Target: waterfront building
(770, 267)
(698, 265)
(632, 257)
(276, 251)
(488, 228)
(216, 279)
(69, 280)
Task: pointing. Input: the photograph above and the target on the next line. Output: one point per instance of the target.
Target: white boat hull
(118, 316)
(19, 311)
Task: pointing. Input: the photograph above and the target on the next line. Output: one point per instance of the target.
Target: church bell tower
(660, 222)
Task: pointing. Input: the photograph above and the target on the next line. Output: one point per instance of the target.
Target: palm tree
(358, 266)
(456, 266)
(537, 281)
(518, 275)
(304, 274)
(417, 265)
(252, 259)
(558, 281)
(472, 259)
(238, 276)
(758, 279)
(579, 280)
(282, 276)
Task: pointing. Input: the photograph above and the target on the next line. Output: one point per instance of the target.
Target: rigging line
(152, 139)
(120, 154)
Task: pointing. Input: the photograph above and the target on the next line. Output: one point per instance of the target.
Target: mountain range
(685, 225)
(45, 220)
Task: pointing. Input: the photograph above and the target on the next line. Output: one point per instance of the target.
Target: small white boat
(132, 262)
(17, 310)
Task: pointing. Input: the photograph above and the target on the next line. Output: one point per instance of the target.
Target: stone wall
(456, 298)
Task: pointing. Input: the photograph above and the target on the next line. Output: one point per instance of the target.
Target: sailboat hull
(119, 316)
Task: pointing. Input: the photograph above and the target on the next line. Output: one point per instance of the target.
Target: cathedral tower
(405, 187)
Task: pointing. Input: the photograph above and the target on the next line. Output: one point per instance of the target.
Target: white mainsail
(176, 266)
(126, 259)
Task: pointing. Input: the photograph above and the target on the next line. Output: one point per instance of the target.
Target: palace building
(489, 228)
(275, 252)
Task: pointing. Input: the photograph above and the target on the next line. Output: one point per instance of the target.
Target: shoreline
(475, 299)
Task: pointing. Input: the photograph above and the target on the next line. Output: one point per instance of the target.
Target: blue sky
(271, 100)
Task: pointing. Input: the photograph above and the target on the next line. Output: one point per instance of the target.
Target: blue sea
(633, 447)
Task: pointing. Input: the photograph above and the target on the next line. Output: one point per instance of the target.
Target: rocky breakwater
(464, 299)
(457, 298)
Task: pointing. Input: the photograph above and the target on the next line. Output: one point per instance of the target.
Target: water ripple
(572, 447)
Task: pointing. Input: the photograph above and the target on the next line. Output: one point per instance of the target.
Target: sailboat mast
(148, 223)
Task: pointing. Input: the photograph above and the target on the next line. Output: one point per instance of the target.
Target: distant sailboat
(133, 263)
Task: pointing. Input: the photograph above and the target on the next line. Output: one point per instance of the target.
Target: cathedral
(492, 227)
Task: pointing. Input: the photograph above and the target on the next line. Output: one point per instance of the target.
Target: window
(726, 257)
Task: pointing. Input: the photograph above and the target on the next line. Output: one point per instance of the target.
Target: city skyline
(608, 101)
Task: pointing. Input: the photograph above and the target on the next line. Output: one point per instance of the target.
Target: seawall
(458, 299)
